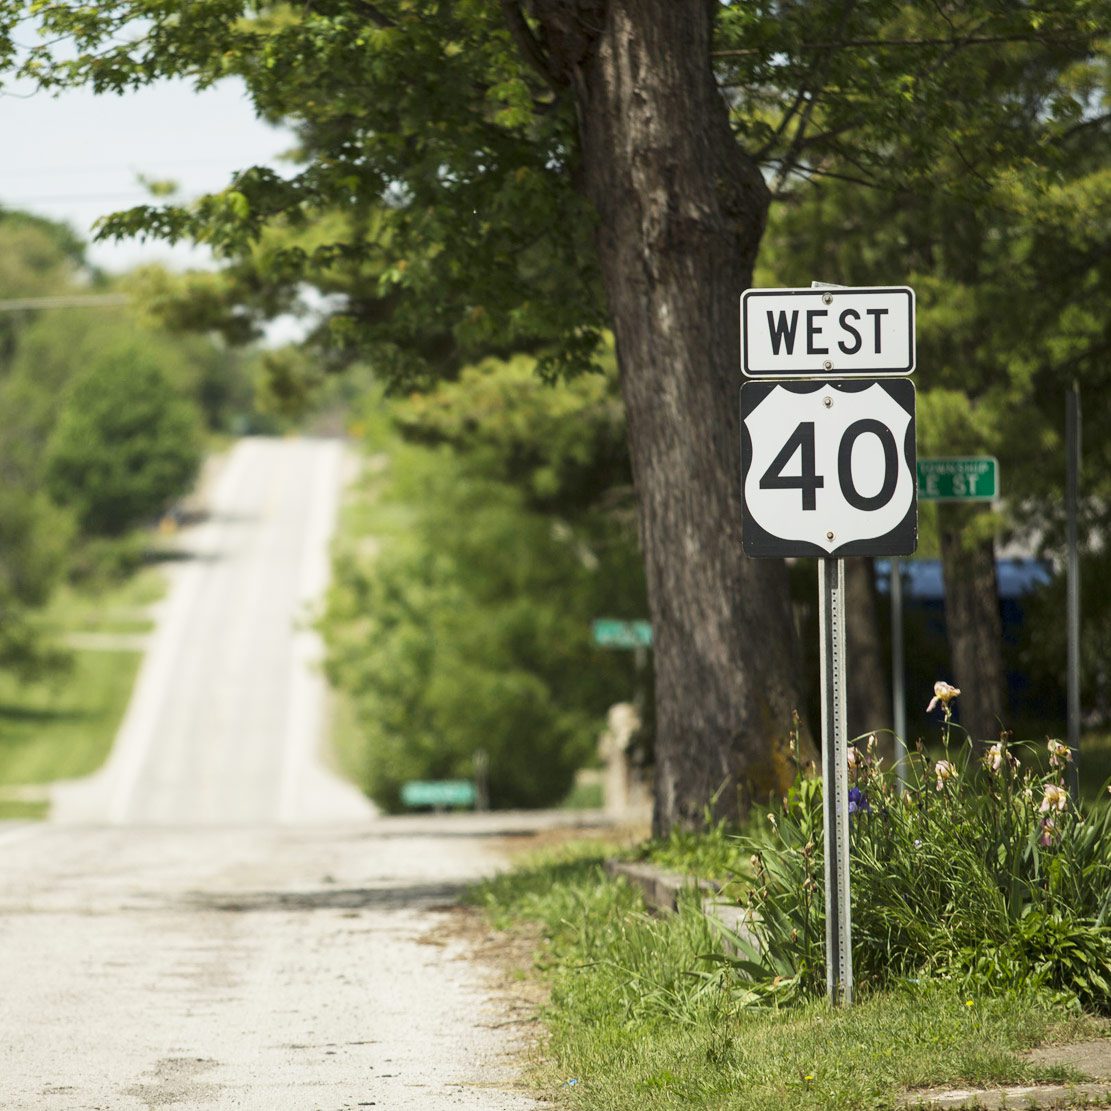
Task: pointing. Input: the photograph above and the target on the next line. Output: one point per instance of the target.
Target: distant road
(229, 711)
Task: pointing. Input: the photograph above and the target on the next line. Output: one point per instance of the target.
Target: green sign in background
(611, 633)
(974, 478)
(438, 792)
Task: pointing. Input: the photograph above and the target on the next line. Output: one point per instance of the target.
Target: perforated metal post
(835, 781)
(1072, 601)
(898, 674)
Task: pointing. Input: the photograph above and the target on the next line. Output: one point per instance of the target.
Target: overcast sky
(79, 156)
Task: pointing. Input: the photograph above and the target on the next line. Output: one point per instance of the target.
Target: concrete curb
(662, 891)
(1040, 1095)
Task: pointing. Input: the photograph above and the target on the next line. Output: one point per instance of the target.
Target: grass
(584, 796)
(60, 728)
(115, 609)
(63, 726)
(639, 1018)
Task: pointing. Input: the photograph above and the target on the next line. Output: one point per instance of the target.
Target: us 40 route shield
(828, 468)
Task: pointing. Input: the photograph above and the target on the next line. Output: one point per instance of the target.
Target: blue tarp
(922, 577)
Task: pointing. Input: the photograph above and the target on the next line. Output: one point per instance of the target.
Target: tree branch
(864, 44)
(375, 15)
(529, 46)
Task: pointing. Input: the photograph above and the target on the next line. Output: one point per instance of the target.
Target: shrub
(469, 632)
(982, 871)
(124, 446)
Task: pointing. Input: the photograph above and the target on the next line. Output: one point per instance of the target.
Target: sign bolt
(829, 535)
(828, 365)
(827, 298)
(827, 402)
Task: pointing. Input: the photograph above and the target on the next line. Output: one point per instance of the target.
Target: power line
(73, 301)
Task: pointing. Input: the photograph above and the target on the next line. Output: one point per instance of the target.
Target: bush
(125, 445)
(982, 871)
(471, 631)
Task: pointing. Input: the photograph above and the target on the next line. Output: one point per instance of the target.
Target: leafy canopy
(126, 443)
(466, 626)
(435, 185)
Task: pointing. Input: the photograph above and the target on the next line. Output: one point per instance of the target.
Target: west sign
(834, 332)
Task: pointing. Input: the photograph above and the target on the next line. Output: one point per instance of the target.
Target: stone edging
(662, 891)
(996, 1099)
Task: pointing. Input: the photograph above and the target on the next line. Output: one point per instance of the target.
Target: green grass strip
(639, 1018)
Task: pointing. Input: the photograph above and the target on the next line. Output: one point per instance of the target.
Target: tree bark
(973, 622)
(868, 701)
(681, 212)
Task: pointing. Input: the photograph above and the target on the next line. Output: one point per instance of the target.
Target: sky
(78, 156)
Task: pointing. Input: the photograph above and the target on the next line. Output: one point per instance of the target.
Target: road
(226, 720)
(216, 920)
(271, 969)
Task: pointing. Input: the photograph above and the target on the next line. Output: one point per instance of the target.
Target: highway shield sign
(828, 468)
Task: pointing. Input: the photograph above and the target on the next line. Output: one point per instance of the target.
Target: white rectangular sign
(833, 332)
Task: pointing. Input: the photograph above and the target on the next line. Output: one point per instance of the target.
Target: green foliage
(440, 174)
(34, 536)
(125, 444)
(982, 872)
(128, 442)
(708, 854)
(640, 1020)
(470, 629)
(1007, 251)
(565, 449)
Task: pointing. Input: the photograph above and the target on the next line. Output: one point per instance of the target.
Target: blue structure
(926, 641)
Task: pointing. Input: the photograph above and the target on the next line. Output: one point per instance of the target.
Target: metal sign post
(1072, 607)
(835, 777)
(828, 470)
(898, 673)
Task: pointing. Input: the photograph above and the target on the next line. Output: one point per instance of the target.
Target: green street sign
(438, 792)
(611, 633)
(971, 479)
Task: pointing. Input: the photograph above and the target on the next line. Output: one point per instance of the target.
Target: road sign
(611, 633)
(839, 331)
(828, 468)
(438, 792)
(968, 479)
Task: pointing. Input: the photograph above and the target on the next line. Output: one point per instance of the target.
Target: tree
(124, 446)
(470, 631)
(1006, 257)
(497, 168)
(38, 257)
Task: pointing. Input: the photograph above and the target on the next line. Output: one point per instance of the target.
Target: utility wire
(75, 301)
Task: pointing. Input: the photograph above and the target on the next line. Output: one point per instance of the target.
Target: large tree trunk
(973, 621)
(681, 213)
(868, 701)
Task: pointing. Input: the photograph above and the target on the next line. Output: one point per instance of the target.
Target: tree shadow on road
(417, 896)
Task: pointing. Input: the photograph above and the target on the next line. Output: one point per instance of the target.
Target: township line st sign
(853, 330)
(965, 479)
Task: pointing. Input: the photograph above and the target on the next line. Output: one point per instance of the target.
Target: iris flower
(944, 693)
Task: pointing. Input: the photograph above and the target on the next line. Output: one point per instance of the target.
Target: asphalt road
(271, 969)
(216, 920)
(226, 720)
